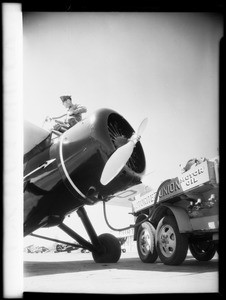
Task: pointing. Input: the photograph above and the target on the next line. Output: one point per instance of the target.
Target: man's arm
(47, 119)
(79, 109)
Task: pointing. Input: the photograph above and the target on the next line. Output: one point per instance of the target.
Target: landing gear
(110, 250)
(105, 248)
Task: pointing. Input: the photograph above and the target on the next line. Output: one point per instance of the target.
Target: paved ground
(78, 273)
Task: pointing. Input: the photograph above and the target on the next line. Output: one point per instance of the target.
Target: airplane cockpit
(36, 139)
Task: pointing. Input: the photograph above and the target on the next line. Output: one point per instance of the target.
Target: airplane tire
(111, 249)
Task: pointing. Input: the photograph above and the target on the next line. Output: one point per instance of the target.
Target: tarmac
(76, 272)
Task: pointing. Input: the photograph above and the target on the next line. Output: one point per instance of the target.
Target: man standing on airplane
(73, 115)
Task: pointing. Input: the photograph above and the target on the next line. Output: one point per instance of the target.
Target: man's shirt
(74, 114)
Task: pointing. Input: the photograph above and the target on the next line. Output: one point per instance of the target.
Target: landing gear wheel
(59, 248)
(203, 250)
(146, 243)
(110, 251)
(172, 246)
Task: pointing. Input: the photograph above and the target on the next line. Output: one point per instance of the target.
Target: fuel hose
(139, 223)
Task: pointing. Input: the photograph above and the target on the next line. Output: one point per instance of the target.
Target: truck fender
(139, 219)
(157, 229)
(181, 216)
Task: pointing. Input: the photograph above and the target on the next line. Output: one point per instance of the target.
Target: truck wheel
(202, 250)
(172, 246)
(146, 243)
(110, 251)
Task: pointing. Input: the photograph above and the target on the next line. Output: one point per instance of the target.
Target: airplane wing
(126, 197)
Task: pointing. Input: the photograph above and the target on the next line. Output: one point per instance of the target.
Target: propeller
(120, 157)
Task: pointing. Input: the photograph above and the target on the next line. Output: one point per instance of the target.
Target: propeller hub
(135, 138)
(124, 149)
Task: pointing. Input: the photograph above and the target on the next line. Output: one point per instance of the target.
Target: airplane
(92, 161)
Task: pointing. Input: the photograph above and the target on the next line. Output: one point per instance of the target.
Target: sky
(164, 66)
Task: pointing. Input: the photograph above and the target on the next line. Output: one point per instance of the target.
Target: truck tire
(146, 243)
(203, 250)
(172, 246)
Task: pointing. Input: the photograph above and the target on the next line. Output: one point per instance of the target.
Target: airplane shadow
(39, 268)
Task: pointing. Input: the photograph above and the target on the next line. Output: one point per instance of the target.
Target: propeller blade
(120, 157)
(116, 162)
(142, 127)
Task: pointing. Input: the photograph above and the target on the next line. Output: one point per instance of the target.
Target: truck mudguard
(180, 215)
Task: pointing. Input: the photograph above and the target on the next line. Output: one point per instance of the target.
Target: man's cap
(64, 98)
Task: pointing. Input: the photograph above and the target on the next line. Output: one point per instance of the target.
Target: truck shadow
(190, 265)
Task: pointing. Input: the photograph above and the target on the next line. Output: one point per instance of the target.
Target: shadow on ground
(38, 268)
